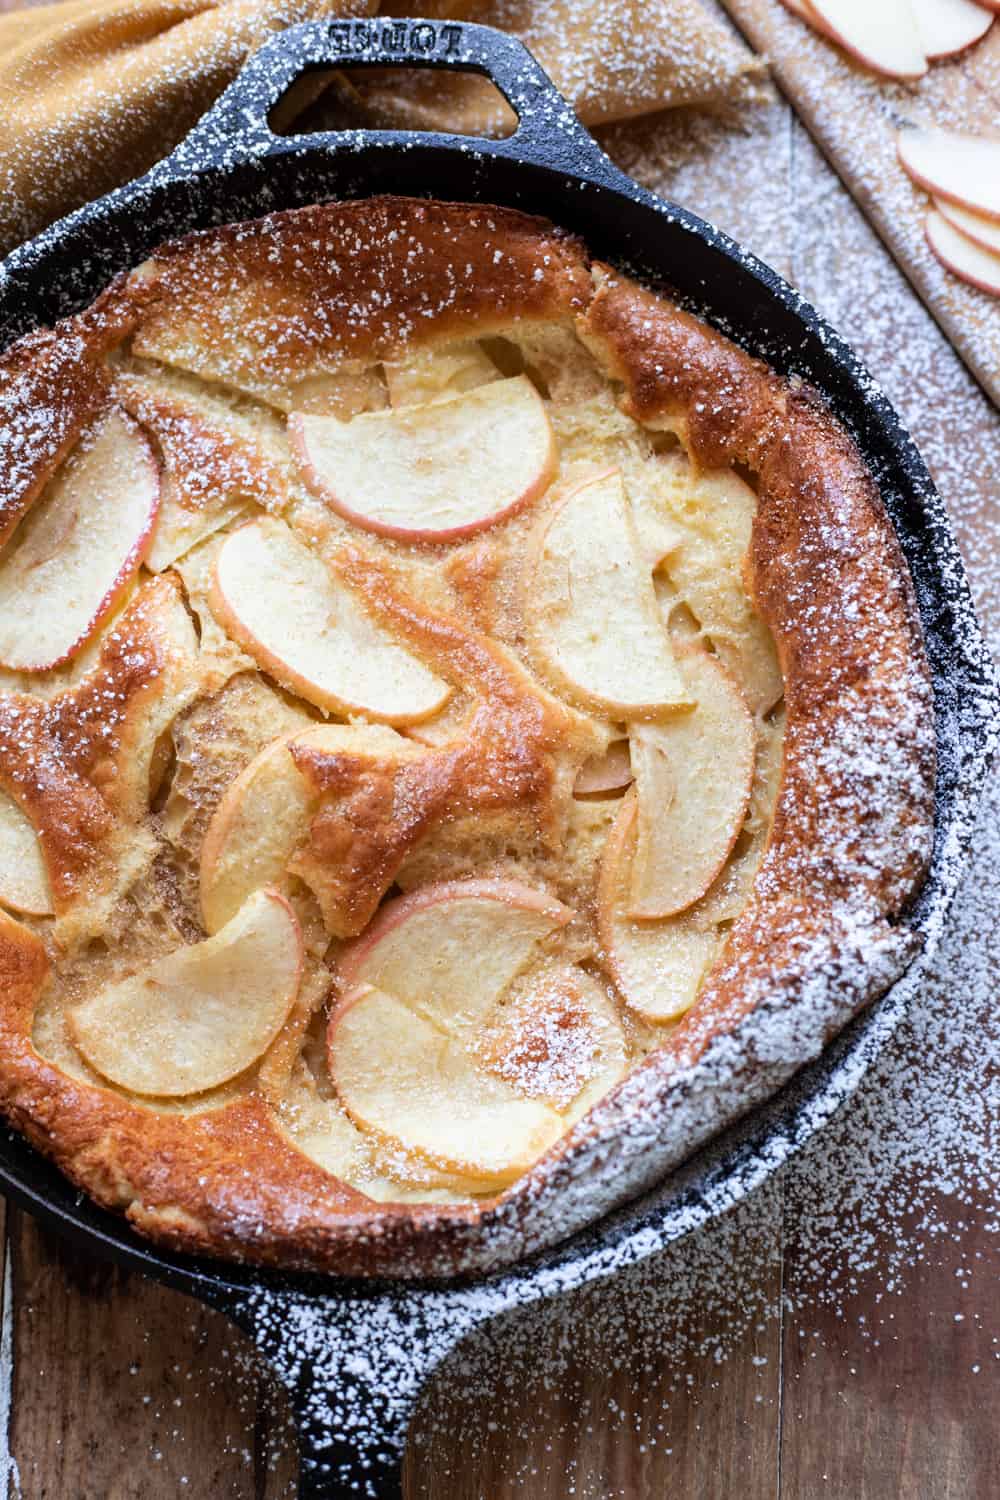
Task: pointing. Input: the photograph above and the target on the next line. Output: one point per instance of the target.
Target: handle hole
(461, 102)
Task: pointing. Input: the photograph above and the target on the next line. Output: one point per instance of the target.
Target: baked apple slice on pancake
(264, 814)
(430, 374)
(204, 1013)
(79, 547)
(693, 774)
(594, 626)
(311, 632)
(436, 471)
(24, 881)
(435, 1051)
(658, 966)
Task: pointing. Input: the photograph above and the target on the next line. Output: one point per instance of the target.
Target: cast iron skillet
(354, 1355)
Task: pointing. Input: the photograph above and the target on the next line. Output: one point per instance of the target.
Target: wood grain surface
(115, 1389)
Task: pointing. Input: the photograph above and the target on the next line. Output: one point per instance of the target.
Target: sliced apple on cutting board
(24, 881)
(419, 988)
(436, 471)
(264, 814)
(947, 27)
(968, 260)
(593, 623)
(984, 232)
(201, 1015)
(964, 169)
(881, 36)
(77, 550)
(305, 627)
(658, 966)
(693, 774)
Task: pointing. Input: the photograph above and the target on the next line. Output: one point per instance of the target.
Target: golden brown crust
(852, 832)
(53, 384)
(78, 763)
(295, 295)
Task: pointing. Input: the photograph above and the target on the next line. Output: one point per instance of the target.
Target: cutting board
(854, 115)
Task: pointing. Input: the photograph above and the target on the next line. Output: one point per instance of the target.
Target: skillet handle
(236, 127)
(354, 1364)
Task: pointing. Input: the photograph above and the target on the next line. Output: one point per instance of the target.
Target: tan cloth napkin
(94, 93)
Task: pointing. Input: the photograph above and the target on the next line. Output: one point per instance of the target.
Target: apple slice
(420, 1092)
(965, 169)
(714, 511)
(420, 988)
(202, 1014)
(434, 472)
(305, 627)
(985, 232)
(429, 374)
(967, 260)
(76, 551)
(215, 461)
(24, 881)
(882, 36)
(610, 772)
(805, 12)
(558, 1038)
(345, 394)
(659, 966)
(947, 27)
(592, 619)
(264, 815)
(694, 773)
(449, 950)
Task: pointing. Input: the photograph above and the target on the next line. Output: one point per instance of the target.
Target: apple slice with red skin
(694, 774)
(264, 814)
(948, 27)
(610, 772)
(965, 169)
(657, 966)
(805, 12)
(984, 232)
(436, 471)
(307, 628)
(77, 550)
(24, 881)
(957, 253)
(204, 1013)
(592, 620)
(420, 988)
(500, 920)
(881, 36)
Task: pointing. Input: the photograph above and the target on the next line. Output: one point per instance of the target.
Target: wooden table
(113, 1388)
